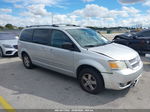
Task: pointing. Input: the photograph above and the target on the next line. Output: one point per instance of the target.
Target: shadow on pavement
(51, 86)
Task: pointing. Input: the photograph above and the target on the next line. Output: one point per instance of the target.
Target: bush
(20, 28)
(9, 26)
(1, 27)
(108, 31)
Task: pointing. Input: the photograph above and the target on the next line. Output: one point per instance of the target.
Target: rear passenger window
(41, 36)
(26, 35)
(58, 38)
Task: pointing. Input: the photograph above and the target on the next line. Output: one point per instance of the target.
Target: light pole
(104, 20)
(52, 18)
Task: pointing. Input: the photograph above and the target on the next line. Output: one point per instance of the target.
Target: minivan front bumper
(122, 79)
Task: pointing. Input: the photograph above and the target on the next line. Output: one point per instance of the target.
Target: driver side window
(144, 34)
(58, 38)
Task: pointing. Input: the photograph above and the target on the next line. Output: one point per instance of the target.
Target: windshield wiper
(90, 46)
(93, 45)
(110, 42)
(99, 44)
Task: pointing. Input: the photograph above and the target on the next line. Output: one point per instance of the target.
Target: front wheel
(91, 81)
(27, 61)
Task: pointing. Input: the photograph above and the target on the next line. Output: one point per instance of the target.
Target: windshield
(88, 37)
(7, 36)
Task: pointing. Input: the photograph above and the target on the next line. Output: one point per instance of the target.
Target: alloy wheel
(89, 82)
(26, 61)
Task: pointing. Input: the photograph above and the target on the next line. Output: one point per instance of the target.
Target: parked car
(139, 41)
(8, 44)
(82, 53)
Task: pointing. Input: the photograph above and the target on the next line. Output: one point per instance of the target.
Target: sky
(100, 13)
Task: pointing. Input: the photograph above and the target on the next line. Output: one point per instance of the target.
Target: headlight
(115, 65)
(17, 37)
(7, 46)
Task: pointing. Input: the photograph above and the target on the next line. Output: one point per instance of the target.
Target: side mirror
(68, 46)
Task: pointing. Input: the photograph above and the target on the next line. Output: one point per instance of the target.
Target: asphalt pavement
(44, 89)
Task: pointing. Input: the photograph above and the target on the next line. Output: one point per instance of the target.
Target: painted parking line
(146, 63)
(9, 60)
(5, 105)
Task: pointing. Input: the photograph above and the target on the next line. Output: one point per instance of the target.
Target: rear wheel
(1, 53)
(91, 81)
(27, 61)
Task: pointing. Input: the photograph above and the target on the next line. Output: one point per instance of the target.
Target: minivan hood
(115, 51)
(9, 42)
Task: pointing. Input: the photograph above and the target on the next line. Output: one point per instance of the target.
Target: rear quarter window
(26, 35)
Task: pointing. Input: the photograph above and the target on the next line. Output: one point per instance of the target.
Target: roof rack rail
(53, 25)
(41, 26)
(66, 25)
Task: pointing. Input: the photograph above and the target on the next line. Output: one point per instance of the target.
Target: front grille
(8, 52)
(135, 62)
(16, 46)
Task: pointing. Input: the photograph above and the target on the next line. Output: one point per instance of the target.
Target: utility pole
(52, 18)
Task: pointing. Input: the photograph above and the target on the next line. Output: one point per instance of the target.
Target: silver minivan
(82, 53)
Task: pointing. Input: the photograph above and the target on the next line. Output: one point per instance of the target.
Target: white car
(8, 44)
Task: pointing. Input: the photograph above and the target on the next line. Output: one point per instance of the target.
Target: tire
(27, 61)
(141, 54)
(1, 52)
(91, 81)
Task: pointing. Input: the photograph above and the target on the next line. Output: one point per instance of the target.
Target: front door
(62, 59)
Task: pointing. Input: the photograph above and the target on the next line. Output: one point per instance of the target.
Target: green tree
(9, 26)
(1, 27)
(108, 31)
(20, 28)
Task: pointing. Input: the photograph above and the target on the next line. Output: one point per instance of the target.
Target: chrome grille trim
(135, 62)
